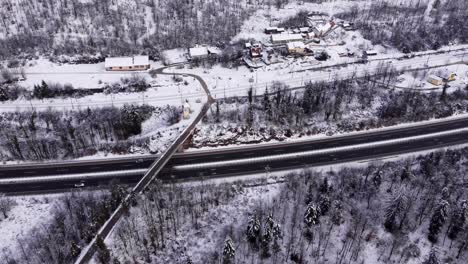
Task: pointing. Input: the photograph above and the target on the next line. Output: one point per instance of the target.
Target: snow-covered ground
(263, 194)
(225, 82)
(29, 212)
(419, 79)
(164, 90)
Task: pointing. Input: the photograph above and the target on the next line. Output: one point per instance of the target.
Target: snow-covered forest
(53, 134)
(412, 26)
(117, 27)
(326, 108)
(381, 213)
(411, 210)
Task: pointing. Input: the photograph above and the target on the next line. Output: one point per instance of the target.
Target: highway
(227, 154)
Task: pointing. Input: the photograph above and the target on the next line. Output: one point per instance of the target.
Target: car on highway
(80, 185)
(139, 161)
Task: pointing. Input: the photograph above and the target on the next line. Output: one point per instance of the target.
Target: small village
(324, 38)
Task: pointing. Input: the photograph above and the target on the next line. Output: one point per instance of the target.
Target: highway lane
(364, 153)
(229, 154)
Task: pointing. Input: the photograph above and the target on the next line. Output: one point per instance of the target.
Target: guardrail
(149, 176)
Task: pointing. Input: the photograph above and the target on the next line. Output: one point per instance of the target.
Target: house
(274, 30)
(285, 38)
(198, 52)
(214, 51)
(136, 63)
(271, 30)
(296, 47)
(256, 50)
(304, 29)
(371, 52)
(435, 80)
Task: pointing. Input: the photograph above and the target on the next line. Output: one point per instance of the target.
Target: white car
(79, 185)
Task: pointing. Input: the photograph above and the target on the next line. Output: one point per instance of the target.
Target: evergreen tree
(458, 220)
(324, 203)
(325, 186)
(265, 243)
(217, 112)
(229, 251)
(75, 249)
(307, 98)
(437, 220)
(395, 208)
(432, 258)
(253, 229)
(250, 95)
(337, 212)
(103, 253)
(267, 104)
(312, 214)
(310, 194)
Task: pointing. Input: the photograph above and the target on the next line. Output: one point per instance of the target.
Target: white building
(137, 63)
(371, 52)
(435, 80)
(296, 47)
(198, 52)
(285, 38)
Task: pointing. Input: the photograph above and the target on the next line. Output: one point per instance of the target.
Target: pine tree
(267, 104)
(253, 230)
(312, 214)
(229, 251)
(265, 243)
(75, 249)
(337, 212)
(309, 195)
(324, 203)
(103, 252)
(432, 258)
(217, 112)
(250, 95)
(458, 220)
(325, 187)
(396, 205)
(437, 220)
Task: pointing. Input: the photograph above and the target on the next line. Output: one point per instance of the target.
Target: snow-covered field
(164, 90)
(29, 212)
(419, 80)
(225, 82)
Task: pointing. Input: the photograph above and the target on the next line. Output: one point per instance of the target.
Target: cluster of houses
(309, 34)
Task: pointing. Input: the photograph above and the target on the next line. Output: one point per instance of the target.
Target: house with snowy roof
(136, 63)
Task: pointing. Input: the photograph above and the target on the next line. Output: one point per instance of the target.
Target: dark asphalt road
(226, 154)
(316, 160)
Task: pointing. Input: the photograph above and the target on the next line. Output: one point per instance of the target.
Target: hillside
(117, 26)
